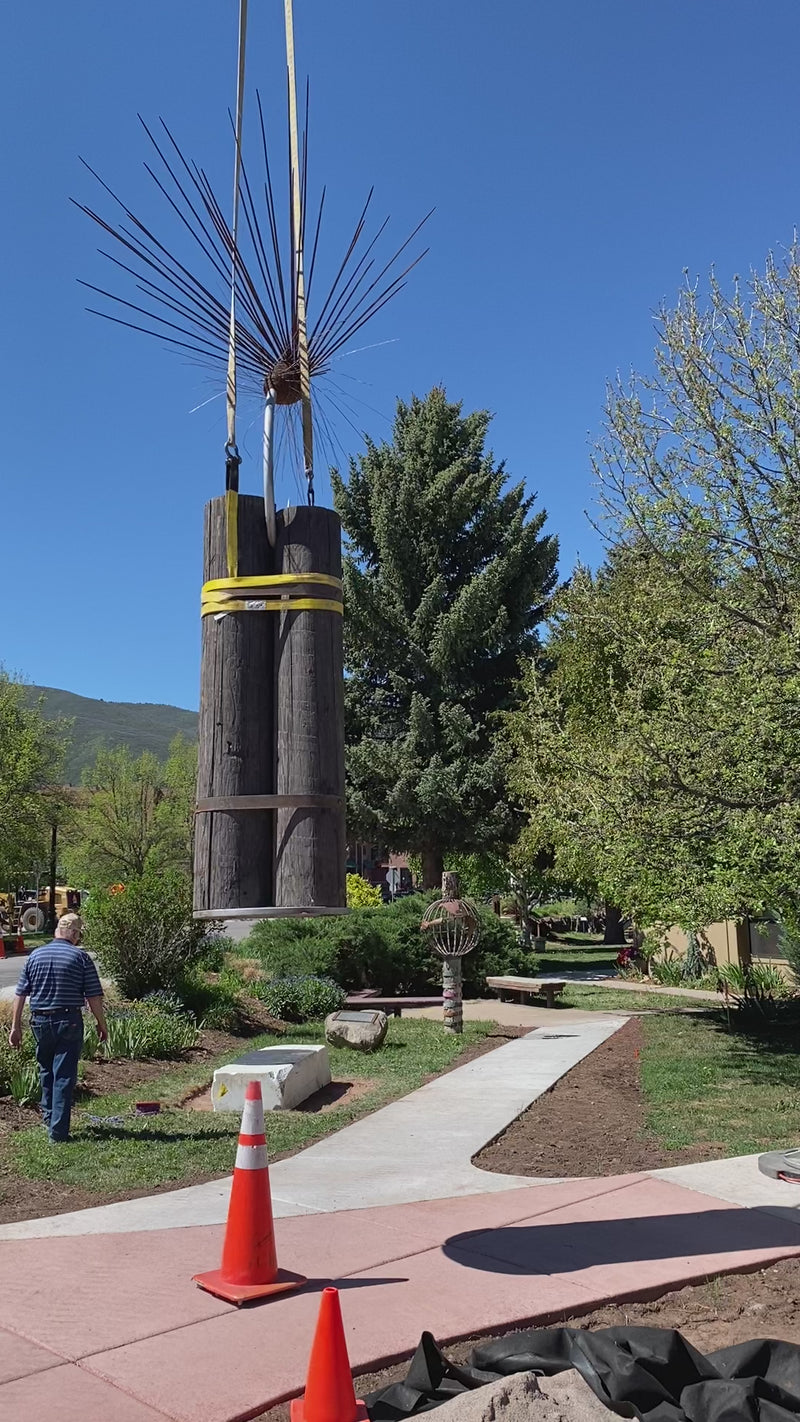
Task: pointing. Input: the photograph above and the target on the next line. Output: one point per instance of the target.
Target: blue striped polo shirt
(58, 975)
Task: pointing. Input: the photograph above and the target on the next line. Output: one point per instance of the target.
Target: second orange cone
(249, 1267)
(329, 1394)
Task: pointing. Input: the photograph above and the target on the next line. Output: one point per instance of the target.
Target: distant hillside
(98, 724)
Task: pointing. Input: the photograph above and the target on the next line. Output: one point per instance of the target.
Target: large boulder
(363, 1031)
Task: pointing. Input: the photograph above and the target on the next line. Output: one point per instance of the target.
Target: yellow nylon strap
(232, 531)
(272, 580)
(297, 217)
(279, 604)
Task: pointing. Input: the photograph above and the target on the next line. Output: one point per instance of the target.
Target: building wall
(743, 942)
(728, 941)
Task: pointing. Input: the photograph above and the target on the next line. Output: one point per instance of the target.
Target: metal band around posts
(270, 911)
(234, 803)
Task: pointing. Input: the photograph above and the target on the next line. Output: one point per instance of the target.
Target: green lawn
(702, 1084)
(113, 1150)
(591, 998)
(588, 956)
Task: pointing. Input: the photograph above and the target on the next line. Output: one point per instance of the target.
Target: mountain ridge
(98, 725)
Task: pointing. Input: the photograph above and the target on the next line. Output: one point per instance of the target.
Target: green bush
(12, 1060)
(210, 1003)
(300, 998)
(380, 948)
(361, 894)
(25, 1086)
(145, 936)
(139, 1032)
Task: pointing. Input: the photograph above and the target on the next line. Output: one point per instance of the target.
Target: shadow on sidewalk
(567, 1247)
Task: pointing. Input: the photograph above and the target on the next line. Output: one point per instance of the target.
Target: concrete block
(288, 1075)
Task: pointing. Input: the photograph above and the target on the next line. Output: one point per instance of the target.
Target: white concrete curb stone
(288, 1075)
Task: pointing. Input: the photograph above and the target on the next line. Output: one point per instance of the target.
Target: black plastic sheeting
(652, 1373)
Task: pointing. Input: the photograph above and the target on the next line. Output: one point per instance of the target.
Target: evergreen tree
(447, 573)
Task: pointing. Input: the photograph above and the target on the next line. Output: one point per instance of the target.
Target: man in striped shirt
(58, 978)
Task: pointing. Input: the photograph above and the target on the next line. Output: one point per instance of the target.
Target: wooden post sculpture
(453, 926)
(270, 810)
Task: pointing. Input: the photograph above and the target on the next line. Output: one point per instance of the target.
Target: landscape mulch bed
(732, 1308)
(591, 1123)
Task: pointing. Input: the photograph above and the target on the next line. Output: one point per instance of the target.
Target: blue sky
(579, 155)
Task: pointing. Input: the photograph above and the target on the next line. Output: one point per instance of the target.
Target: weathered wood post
(309, 700)
(270, 836)
(233, 856)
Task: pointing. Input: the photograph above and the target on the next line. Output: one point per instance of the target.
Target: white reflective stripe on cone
(253, 1118)
(251, 1157)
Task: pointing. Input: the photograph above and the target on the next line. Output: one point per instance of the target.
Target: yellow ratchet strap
(222, 595)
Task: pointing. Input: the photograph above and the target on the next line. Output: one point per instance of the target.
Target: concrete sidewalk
(419, 1148)
(111, 1326)
(101, 1319)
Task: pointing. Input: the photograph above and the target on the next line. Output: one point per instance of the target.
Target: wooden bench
(509, 988)
(392, 1005)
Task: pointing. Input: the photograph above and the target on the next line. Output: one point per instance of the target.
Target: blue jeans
(59, 1039)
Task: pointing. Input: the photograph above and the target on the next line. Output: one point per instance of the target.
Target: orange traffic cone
(20, 943)
(2, 946)
(249, 1262)
(329, 1394)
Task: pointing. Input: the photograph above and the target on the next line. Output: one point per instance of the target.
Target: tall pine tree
(446, 575)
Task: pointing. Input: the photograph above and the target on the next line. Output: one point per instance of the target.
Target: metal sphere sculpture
(452, 927)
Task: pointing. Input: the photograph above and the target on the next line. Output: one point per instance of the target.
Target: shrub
(211, 1004)
(171, 1004)
(756, 988)
(213, 950)
(145, 937)
(360, 894)
(25, 1086)
(381, 948)
(301, 998)
(137, 1032)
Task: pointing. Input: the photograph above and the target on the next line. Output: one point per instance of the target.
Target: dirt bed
(591, 1123)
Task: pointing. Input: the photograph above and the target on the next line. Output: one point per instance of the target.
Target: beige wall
(728, 941)
(731, 942)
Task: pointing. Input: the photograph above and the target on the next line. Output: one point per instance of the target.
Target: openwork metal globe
(452, 927)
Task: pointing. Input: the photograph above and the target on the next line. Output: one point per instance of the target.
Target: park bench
(509, 988)
(394, 1005)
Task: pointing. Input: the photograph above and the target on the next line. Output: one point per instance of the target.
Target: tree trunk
(614, 934)
(432, 868)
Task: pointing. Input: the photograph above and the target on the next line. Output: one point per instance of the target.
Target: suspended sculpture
(270, 835)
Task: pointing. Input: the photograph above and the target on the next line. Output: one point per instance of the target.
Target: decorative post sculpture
(270, 792)
(453, 928)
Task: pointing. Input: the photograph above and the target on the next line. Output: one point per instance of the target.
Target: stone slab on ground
(432, 1133)
(457, 1267)
(287, 1074)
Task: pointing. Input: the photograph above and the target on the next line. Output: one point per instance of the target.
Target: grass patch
(589, 957)
(602, 999)
(113, 1151)
(703, 1084)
